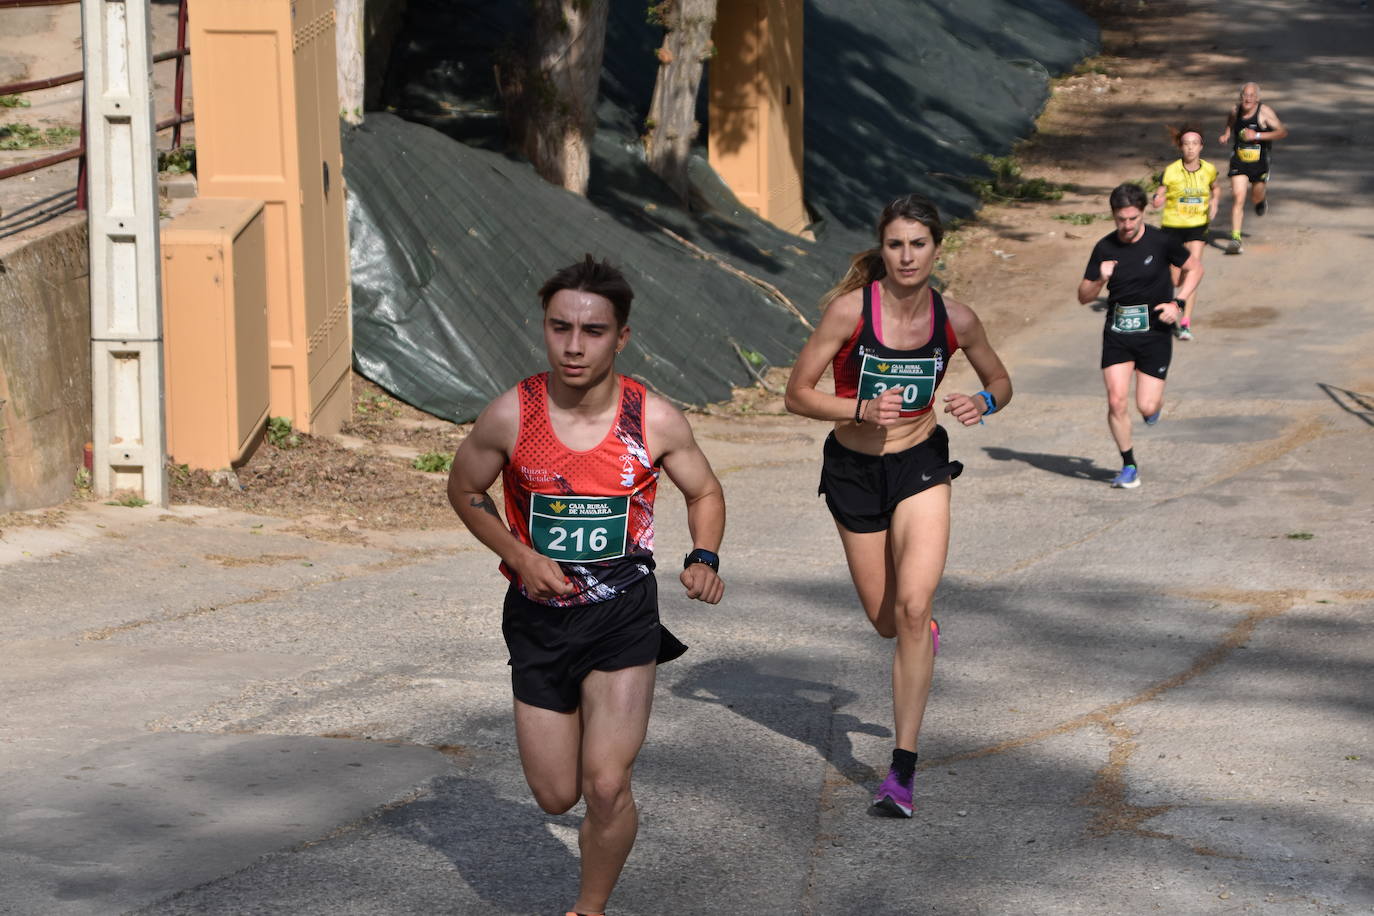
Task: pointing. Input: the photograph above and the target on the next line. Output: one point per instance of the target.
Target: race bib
(1191, 206)
(579, 529)
(1131, 319)
(1248, 153)
(916, 378)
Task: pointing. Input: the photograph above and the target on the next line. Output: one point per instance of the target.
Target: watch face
(702, 556)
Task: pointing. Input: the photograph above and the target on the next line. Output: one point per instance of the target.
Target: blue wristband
(988, 400)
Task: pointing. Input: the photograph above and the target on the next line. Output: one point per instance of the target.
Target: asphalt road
(1146, 701)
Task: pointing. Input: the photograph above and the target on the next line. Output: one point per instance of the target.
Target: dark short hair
(1127, 194)
(592, 276)
(917, 208)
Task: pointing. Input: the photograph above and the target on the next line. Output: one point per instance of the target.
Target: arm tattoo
(484, 503)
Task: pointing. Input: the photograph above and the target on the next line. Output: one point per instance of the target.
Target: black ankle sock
(904, 761)
(1128, 457)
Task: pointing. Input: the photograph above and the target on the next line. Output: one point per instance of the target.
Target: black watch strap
(701, 556)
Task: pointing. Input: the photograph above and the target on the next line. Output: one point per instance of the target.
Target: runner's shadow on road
(807, 711)
(504, 850)
(1073, 466)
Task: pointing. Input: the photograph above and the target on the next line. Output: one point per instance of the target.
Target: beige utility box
(214, 331)
(755, 140)
(267, 128)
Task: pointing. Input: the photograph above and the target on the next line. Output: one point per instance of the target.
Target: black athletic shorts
(1187, 233)
(862, 490)
(1256, 171)
(1151, 351)
(553, 648)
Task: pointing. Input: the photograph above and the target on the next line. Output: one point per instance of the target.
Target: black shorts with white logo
(1151, 351)
(553, 648)
(861, 490)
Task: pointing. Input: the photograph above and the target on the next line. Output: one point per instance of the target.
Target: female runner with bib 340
(886, 471)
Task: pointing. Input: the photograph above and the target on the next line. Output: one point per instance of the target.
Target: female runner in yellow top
(1188, 195)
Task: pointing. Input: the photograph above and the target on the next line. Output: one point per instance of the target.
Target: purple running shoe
(934, 636)
(893, 798)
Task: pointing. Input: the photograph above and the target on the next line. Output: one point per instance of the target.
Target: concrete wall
(45, 364)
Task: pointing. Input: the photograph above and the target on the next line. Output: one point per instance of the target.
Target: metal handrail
(179, 54)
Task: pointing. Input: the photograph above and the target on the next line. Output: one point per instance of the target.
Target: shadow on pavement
(806, 711)
(1065, 465)
(1352, 402)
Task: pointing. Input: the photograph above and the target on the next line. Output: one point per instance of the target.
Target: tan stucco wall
(45, 364)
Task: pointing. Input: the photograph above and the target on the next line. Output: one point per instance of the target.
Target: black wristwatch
(1181, 303)
(702, 556)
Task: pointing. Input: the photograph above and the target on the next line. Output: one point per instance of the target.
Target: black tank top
(1249, 150)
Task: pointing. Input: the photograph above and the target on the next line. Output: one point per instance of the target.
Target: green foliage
(25, 136)
(82, 480)
(128, 501)
(279, 433)
(177, 161)
(1091, 65)
(377, 404)
(1007, 183)
(13, 101)
(433, 462)
(1301, 536)
(753, 357)
(657, 13)
(1080, 219)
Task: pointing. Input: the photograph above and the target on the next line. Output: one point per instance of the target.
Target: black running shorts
(553, 648)
(1187, 233)
(1256, 171)
(862, 490)
(1151, 351)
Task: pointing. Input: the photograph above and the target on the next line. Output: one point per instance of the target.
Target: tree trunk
(672, 124)
(348, 42)
(554, 107)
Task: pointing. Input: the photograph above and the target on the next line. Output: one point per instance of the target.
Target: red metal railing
(179, 54)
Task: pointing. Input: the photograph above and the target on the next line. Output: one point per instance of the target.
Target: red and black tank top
(865, 367)
(591, 511)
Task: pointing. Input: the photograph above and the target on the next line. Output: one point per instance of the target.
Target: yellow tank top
(1187, 195)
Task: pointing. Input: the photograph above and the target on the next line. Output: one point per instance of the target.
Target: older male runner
(1255, 127)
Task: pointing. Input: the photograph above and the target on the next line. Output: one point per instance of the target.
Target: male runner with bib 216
(579, 449)
(1133, 263)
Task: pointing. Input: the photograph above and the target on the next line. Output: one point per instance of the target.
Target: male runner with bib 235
(579, 449)
(1133, 263)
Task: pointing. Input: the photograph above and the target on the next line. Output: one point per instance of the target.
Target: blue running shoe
(894, 796)
(1128, 479)
(1153, 418)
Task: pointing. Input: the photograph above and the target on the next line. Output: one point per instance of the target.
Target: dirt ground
(367, 479)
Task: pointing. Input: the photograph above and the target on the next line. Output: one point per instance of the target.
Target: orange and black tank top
(865, 367)
(591, 511)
